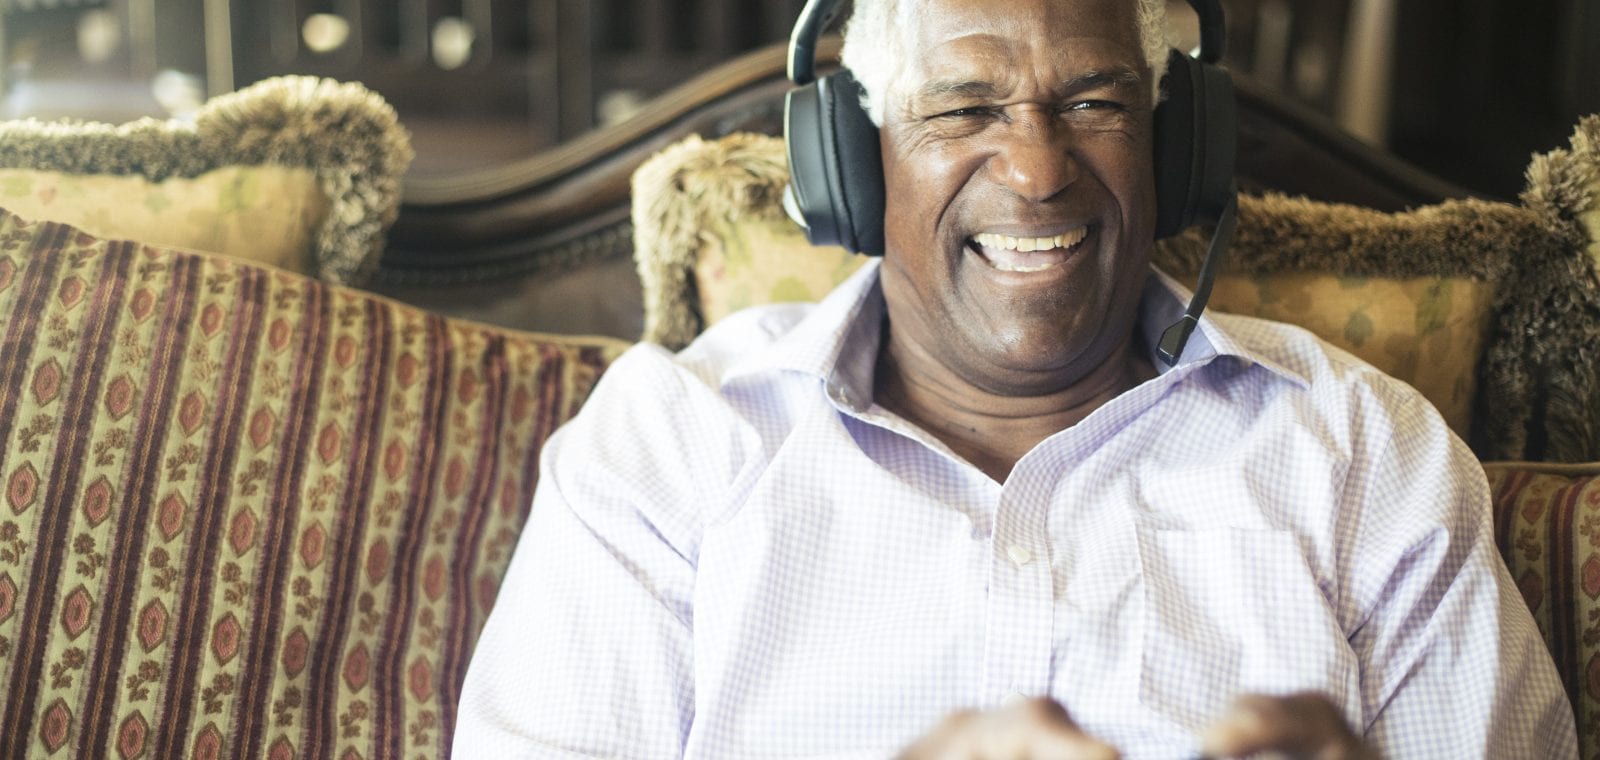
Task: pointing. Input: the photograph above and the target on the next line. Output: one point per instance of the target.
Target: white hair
(874, 53)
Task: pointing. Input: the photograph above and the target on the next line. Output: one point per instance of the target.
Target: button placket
(1021, 601)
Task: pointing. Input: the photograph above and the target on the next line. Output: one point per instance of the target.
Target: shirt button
(1013, 699)
(1019, 554)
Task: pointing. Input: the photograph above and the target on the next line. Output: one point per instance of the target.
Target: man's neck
(993, 430)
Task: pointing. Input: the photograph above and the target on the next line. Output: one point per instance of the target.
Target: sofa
(254, 504)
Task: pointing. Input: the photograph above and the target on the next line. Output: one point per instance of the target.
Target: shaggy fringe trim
(675, 195)
(345, 134)
(1539, 382)
(1556, 317)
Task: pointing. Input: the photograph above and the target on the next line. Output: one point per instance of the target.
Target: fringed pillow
(300, 173)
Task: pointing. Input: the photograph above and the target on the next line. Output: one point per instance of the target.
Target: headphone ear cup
(1175, 146)
(1195, 145)
(835, 165)
(807, 198)
(855, 164)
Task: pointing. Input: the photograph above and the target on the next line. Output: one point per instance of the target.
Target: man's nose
(1035, 158)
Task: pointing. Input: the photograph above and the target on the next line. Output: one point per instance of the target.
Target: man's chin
(1026, 362)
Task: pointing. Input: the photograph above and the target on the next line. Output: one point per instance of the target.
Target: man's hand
(1035, 729)
(1305, 725)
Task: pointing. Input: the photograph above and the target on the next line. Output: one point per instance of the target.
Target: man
(956, 511)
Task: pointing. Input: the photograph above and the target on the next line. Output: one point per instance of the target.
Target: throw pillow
(295, 172)
(247, 512)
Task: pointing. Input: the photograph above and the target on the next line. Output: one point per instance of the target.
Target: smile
(1010, 253)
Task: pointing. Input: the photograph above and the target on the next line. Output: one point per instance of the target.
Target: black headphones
(836, 170)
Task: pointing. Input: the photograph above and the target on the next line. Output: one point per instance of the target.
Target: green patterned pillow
(1427, 331)
(243, 512)
(757, 261)
(266, 214)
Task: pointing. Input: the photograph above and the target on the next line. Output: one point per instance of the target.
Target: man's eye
(1095, 105)
(964, 113)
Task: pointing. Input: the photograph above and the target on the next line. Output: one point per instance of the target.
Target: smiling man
(956, 511)
(1019, 219)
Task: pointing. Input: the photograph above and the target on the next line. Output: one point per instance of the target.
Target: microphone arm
(1177, 336)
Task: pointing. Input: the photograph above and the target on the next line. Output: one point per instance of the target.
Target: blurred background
(1467, 89)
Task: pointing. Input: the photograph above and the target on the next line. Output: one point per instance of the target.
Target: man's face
(1018, 125)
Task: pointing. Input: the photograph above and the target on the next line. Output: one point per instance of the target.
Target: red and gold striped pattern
(1547, 525)
(244, 514)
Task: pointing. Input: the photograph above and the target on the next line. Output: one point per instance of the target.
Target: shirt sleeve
(1452, 663)
(588, 651)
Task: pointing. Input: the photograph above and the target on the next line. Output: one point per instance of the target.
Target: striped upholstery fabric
(1547, 524)
(246, 514)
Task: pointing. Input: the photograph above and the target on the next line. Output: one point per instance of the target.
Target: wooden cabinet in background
(1466, 88)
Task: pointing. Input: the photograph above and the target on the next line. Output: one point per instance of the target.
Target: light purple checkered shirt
(734, 553)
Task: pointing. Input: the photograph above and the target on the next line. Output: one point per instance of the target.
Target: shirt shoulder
(1323, 370)
(649, 375)
(1379, 427)
(740, 340)
(661, 435)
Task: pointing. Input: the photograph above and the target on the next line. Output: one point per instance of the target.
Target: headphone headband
(1213, 30)
(803, 40)
(816, 14)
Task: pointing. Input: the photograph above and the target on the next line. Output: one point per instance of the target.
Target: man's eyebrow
(970, 88)
(980, 89)
(1119, 77)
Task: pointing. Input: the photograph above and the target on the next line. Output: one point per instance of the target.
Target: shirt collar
(1164, 302)
(852, 316)
(849, 316)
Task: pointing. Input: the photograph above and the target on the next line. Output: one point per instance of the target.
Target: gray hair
(874, 53)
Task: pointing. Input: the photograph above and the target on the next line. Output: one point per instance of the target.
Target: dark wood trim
(488, 222)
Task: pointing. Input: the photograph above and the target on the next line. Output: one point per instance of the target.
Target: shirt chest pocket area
(1234, 611)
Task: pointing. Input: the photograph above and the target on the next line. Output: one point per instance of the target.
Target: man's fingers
(1305, 725)
(1038, 729)
(945, 740)
(1041, 729)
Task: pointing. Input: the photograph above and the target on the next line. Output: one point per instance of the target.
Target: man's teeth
(1028, 244)
(1008, 253)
